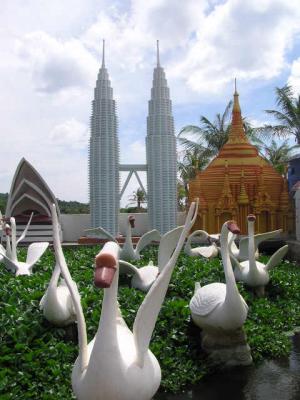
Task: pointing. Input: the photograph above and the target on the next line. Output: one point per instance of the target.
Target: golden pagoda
(238, 182)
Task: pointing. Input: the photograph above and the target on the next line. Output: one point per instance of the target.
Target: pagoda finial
(157, 53)
(236, 104)
(237, 131)
(103, 53)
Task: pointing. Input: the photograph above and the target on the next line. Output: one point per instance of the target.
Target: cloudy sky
(50, 53)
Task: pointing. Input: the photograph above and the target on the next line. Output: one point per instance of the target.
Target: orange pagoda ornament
(239, 182)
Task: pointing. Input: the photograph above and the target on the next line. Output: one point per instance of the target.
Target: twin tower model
(104, 166)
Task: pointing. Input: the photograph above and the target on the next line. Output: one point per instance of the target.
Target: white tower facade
(104, 156)
(161, 155)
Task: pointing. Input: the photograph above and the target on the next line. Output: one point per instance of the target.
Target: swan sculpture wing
(35, 252)
(147, 314)
(101, 231)
(24, 233)
(208, 298)
(146, 239)
(276, 257)
(203, 235)
(128, 268)
(260, 237)
(143, 277)
(9, 264)
(2, 251)
(167, 245)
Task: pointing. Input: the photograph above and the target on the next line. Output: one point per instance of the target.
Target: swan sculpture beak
(232, 227)
(106, 267)
(131, 220)
(251, 218)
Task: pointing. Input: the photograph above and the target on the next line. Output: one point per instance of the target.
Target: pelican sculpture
(253, 272)
(128, 251)
(117, 364)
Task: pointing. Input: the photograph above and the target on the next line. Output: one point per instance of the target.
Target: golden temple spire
(237, 131)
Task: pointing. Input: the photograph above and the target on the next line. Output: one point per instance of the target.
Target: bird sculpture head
(251, 218)
(131, 220)
(106, 265)
(232, 227)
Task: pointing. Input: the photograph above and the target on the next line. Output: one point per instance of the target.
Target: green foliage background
(36, 359)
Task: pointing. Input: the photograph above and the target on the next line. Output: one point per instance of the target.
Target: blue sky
(50, 54)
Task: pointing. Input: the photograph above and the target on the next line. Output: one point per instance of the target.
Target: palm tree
(138, 197)
(278, 155)
(211, 136)
(288, 115)
(181, 196)
(193, 160)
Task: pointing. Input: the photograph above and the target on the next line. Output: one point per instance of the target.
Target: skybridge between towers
(133, 169)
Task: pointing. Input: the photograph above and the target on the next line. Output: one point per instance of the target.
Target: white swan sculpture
(2, 229)
(128, 252)
(220, 305)
(117, 364)
(11, 238)
(144, 277)
(241, 252)
(253, 272)
(34, 251)
(57, 304)
(209, 252)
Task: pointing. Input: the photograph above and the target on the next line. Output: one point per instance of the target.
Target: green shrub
(36, 358)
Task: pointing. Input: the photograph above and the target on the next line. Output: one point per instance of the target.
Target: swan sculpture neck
(128, 239)
(55, 276)
(81, 325)
(253, 270)
(13, 239)
(8, 241)
(202, 234)
(106, 335)
(232, 293)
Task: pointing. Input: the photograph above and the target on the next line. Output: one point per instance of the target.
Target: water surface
(272, 380)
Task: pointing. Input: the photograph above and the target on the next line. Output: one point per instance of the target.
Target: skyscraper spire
(157, 53)
(103, 54)
(104, 155)
(161, 155)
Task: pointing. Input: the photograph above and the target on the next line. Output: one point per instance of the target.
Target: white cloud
(294, 78)
(56, 65)
(246, 39)
(71, 134)
(49, 61)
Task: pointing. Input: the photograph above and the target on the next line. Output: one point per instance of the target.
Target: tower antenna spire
(103, 53)
(157, 53)
(235, 91)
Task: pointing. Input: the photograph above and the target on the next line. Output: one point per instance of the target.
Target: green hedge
(36, 359)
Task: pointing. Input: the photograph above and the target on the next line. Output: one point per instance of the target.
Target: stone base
(229, 348)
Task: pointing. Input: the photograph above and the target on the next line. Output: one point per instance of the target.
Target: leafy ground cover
(36, 358)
